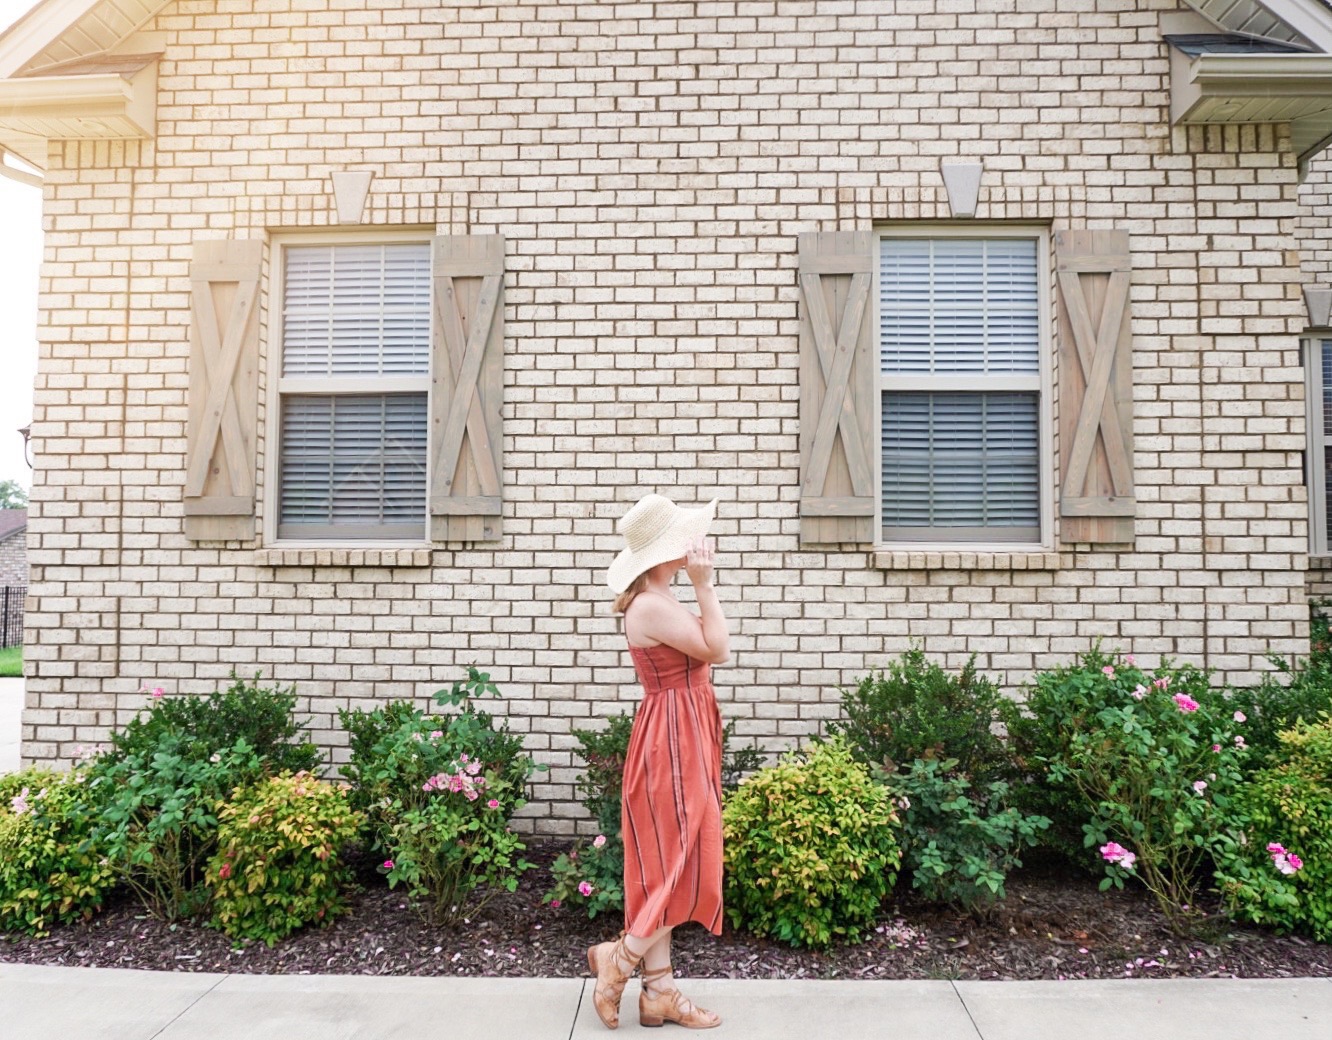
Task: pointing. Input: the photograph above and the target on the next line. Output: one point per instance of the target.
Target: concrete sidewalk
(106, 1004)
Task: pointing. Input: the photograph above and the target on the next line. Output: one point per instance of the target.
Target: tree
(12, 495)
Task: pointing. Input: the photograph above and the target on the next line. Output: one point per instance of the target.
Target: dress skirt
(671, 810)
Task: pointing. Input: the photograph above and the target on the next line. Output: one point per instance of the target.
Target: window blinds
(960, 462)
(352, 462)
(356, 310)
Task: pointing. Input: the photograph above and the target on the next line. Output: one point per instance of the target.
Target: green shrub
(277, 866)
(1152, 758)
(811, 848)
(1280, 872)
(261, 716)
(932, 736)
(917, 710)
(961, 841)
(51, 872)
(591, 874)
(439, 792)
(157, 819)
(1300, 690)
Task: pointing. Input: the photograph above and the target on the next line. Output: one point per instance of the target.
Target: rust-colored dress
(671, 813)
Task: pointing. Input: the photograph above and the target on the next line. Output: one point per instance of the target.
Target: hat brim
(671, 544)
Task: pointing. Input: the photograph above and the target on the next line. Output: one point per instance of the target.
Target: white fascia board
(33, 33)
(1309, 18)
(130, 102)
(1239, 76)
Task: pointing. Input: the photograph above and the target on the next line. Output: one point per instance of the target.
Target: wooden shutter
(467, 387)
(838, 448)
(223, 389)
(1096, 502)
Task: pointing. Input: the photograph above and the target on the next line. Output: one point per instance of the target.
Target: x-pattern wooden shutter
(223, 389)
(1096, 502)
(838, 450)
(467, 388)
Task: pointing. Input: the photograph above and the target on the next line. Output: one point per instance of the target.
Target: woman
(671, 811)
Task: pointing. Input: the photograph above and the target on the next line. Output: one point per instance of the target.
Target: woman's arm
(657, 619)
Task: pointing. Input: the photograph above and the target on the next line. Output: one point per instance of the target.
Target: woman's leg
(654, 950)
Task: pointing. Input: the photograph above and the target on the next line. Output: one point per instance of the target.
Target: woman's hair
(626, 597)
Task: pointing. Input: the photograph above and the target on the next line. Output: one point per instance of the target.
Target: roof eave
(105, 106)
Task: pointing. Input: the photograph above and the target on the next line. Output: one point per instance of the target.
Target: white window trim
(277, 384)
(1315, 455)
(1045, 382)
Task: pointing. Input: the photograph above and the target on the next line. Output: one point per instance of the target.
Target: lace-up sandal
(604, 961)
(670, 1005)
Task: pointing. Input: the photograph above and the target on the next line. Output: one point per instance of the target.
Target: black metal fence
(11, 615)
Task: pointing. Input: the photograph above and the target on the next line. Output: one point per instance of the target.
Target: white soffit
(56, 32)
(1303, 23)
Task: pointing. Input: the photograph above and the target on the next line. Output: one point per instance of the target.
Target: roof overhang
(1255, 88)
(86, 101)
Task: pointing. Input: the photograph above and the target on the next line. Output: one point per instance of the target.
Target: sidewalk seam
(963, 1001)
(190, 1005)
(577, 1008)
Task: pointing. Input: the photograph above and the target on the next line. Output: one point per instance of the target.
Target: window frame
(1312, 347)
(1043, 385)
(278, 386)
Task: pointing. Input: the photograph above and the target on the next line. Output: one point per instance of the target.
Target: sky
(20, 259)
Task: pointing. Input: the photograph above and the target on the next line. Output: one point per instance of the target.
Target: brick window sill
(967, 560)
(310, 557)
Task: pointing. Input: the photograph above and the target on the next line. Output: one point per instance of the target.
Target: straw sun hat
(656, 530)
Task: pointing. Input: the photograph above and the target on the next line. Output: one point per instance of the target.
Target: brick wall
(651, 165)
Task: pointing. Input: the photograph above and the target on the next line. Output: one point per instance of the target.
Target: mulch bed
(1054, 925)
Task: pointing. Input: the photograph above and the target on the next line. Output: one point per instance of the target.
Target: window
(1319, 368)
(962, 364)
(353, 391)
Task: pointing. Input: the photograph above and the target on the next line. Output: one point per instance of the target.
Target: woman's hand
(699, 563)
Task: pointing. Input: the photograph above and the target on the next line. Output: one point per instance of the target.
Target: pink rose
(599, 841)
(1241, 717)
(554, 904)
(493, 803)
(388, 864)
(1185, 703)
(1139, 692)
(584, 888)
(1275, 849)
(1129, 659)
(1200, 786)
(1109, 671)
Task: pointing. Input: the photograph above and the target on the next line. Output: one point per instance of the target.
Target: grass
(11, 663)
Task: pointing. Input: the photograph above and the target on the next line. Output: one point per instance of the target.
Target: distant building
(13, 547)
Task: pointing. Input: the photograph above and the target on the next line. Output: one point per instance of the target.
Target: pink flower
(435, 734)
(225, 871)
(1130, 659)
(554, 904)
(1284, 864)
(1108, 670)
(1294, 862)
(1216, 747)
(1239, 742)
(1239, 716)
(156, 691)
(19, 803)
(493, 803)
(388, 864)
(1275, 849)
(1113, 852)
(1185, 703)
(585, 888)
(1162, 682)
(1200, 786)
(1139, 692)
(599, 841)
